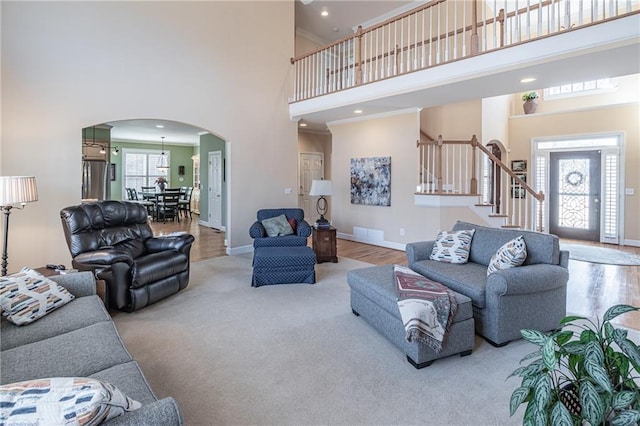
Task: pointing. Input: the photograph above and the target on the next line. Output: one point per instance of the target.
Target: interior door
(574, 195)
(215, 189)
(311, 168)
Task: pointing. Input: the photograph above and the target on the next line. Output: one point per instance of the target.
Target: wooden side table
(324, 244)
(101, 285)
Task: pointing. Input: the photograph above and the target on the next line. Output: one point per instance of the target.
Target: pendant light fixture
(163, 161)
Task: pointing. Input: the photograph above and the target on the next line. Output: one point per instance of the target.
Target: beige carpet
(295, 354)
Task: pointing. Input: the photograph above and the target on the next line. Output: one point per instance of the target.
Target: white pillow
(510, 255)
(452, 247)
(62, 401)
(26, 296)
(277, 226)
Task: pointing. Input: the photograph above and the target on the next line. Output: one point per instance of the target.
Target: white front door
(215, 189)
(311, 168)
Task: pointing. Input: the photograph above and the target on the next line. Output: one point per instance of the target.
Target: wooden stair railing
(454, 167)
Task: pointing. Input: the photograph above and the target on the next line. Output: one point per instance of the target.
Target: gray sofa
(531, 296)
(79, 339)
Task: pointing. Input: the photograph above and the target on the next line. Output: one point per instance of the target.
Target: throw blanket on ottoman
(427, 307)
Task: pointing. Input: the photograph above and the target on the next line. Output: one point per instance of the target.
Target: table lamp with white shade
(321, 188)
(15, 192)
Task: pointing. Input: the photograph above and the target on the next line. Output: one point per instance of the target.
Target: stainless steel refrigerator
(95, 180)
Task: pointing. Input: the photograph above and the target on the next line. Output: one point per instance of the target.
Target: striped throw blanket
(427, 307)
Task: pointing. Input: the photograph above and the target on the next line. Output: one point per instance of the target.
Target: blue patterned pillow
(510, 255)
(452, 247)
(26, 296)
(62, 401)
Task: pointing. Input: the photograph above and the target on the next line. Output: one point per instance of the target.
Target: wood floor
(591, 290)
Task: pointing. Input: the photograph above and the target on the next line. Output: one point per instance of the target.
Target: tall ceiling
(343, 16)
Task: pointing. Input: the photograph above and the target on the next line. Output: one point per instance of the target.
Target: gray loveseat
(531, 296)
(79, 339)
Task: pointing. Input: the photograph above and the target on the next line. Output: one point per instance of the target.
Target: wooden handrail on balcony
(362, 57)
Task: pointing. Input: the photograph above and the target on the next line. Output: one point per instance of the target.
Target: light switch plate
(629, 191)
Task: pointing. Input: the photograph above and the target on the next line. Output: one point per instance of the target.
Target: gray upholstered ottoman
(283, 265)
(373, 296)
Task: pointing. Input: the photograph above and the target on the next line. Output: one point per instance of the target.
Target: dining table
(150, 199)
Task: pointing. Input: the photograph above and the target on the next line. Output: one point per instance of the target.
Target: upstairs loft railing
(466, 167)
(439, 32)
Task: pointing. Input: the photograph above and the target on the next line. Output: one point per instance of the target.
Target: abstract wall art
(371, 181)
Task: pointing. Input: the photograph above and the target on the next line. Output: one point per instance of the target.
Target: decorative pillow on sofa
(293, 224)
(276, 226)
(452, 247)
(26, 296)
(510, 255)
(62, 401)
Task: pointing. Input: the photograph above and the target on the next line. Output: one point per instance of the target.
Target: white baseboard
(634, 243)
(380, 243)
(208, 225)
(350, 237)
(239, 250)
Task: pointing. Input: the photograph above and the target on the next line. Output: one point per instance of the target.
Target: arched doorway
(132, 149)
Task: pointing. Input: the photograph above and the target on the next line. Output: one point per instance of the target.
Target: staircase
(466, 173)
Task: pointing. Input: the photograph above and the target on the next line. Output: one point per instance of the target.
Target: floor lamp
(15, 192)
(321, 188)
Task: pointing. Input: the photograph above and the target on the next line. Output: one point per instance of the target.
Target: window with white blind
(139, 168)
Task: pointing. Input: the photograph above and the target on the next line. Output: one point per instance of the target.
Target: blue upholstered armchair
(298, 238)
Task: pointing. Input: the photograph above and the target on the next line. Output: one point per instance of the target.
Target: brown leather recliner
(114, 240)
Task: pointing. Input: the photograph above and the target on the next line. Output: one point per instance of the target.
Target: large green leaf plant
(595, 363)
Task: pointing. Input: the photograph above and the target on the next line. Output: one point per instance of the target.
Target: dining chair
(185, 202)
(129, 194)
(167, 205)
(133, 194)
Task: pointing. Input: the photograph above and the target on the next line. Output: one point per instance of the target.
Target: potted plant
(530, 102)
(582, 372)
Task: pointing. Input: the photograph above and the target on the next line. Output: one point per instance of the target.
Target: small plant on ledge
(582, 373)
(530, 96)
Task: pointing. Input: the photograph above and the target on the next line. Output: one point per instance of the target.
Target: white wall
(393, 136)
(495, 119)
(455, 121)
(223, 66)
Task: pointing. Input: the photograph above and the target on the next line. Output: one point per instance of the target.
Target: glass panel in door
(574, 199)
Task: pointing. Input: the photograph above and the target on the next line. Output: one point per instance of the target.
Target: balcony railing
(440, 32)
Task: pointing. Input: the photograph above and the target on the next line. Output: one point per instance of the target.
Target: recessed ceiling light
(527, 80)
(159, 126)
(324, 12)
(303, 123)
(357, 111)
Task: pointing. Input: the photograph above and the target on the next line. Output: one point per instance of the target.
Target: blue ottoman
(283, 265)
